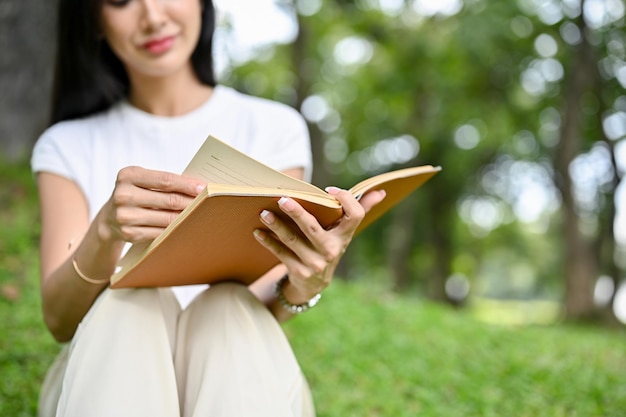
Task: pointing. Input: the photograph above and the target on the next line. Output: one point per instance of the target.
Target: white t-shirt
(92, 150)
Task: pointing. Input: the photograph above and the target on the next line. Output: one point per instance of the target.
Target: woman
(134, 98)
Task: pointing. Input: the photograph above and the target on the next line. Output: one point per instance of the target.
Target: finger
(315, 247)
(129, 195)
(353, 211)
(301, 275)
(320, 247)
(139, 234)
(271, 243)
(371, 198)
(137, 216)
(290, 238)
(160, 180)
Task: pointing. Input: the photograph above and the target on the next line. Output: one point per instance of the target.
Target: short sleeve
(61, 150)
(293, 145)
(278, 135)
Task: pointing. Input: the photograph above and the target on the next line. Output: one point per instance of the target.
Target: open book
(212, 239)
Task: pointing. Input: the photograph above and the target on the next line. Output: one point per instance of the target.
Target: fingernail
(332, 190)
(286, 204)
(267, 217)
(259, 234)
(199, 188)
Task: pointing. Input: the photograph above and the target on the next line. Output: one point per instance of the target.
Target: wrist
(104, 231)
(291, 299)
(99, 249)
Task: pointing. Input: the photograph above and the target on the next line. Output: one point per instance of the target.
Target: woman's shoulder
(79, 129)
(70, 143)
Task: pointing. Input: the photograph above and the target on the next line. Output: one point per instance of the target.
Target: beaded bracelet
(293, 308)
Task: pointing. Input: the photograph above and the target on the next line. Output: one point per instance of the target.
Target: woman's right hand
(144, 202)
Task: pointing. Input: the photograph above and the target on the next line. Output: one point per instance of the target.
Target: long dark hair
(88, 76)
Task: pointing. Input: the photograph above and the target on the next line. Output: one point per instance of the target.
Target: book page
(369, 183)
(217, 162)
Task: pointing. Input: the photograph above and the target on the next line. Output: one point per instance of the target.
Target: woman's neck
(168, 96)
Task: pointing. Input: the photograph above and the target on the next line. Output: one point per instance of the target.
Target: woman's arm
(143, 203)
(65, 223)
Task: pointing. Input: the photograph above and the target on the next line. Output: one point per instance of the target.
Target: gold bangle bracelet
(86, 278)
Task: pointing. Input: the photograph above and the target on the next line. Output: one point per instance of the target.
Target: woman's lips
(160, 45)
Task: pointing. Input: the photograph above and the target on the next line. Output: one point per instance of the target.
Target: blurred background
(497, 289)
(521, 102)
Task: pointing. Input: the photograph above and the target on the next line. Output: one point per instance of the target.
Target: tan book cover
(212, 239)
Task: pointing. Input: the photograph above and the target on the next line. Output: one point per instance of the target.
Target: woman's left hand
(312, 256)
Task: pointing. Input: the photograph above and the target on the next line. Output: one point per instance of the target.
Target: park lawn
(368, 353)
(365, 351)
(26, 348)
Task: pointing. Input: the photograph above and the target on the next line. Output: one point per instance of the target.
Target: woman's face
(152, 37)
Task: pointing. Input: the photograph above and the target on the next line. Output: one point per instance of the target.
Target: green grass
(366, 352)
(26, 349)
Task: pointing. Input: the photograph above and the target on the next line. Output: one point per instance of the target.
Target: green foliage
(485, 69)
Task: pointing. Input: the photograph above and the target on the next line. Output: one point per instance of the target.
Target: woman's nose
(155, 14)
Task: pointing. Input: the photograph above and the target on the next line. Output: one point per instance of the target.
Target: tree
(580, 266)
(583, 110)
(26, 29)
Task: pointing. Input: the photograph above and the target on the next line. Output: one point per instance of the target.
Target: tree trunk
(580, 264)
(400, 243)
(27, 44)
(440, 204)
(441, 239)
(302, 87)
(606, 245)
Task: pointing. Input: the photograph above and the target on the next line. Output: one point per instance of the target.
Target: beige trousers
(137, 354)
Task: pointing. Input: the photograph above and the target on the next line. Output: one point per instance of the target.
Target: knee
(228, 290)
(226, 293)
(225, 299)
